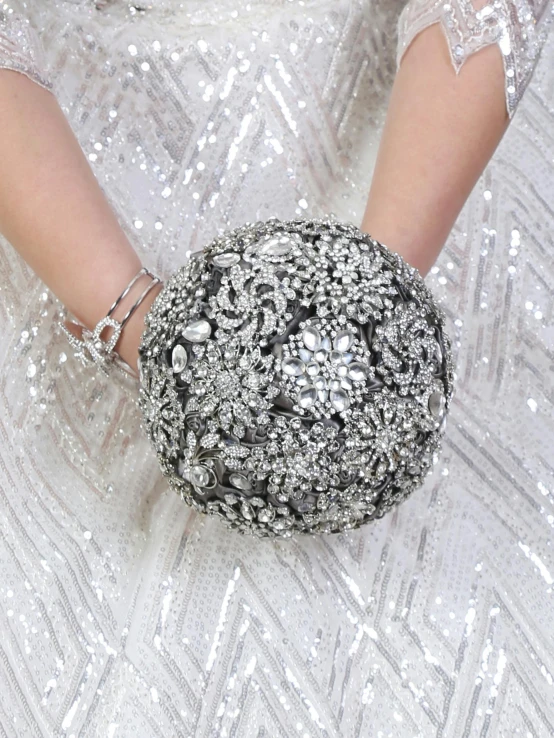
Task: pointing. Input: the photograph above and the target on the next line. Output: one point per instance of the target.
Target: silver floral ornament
(295, 378)
(328, 365)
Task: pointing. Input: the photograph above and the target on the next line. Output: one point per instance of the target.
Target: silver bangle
(92, 349)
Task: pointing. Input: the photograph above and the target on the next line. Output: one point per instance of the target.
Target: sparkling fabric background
(124, 613)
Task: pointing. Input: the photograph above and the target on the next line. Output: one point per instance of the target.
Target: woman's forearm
(55, 214)
(441, 130)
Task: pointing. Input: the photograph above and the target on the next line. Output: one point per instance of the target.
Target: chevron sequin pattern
(125, 613)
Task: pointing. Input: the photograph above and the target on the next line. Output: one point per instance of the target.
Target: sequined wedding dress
(125, 613)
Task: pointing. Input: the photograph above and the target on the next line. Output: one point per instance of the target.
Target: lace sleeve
(519, 27)
(21, 49)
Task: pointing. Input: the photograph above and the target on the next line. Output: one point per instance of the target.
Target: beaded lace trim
(519, 27)
(21, 50)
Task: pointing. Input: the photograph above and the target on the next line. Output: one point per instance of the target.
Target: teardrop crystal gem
(275, 247)
(339, 400)
(335, 357)
(247, 511)
(320, 383)
(347, 357)
(249, 253)
(226, 260)
(311, 338)
(438, 354)
(437, 404)
(358, 371)
(343, 340)
(197, 331)
(346, 383)
(178, 358)
(240, 481)
(292, 366)
(307, 396)
(199, 476)
(326, 343)
(322, 395)
(305, 355)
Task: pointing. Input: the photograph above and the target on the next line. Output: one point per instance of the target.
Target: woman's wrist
(440, 131)
(54, 212)
(129, 341)
(404, 241)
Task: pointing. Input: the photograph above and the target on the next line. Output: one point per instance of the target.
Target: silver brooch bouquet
(295, 377)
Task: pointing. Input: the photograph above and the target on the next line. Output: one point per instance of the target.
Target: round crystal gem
(357, 371)
(197, 331)
(199, 476)
(292, 366)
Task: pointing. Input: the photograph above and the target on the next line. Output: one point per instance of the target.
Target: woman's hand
(441, 130)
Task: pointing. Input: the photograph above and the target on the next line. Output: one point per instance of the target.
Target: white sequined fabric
(123, 613)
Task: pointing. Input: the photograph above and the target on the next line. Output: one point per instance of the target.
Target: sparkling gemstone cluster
(295, 378)
(328, 367)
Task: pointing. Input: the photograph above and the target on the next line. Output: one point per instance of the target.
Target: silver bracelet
(92, 349)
